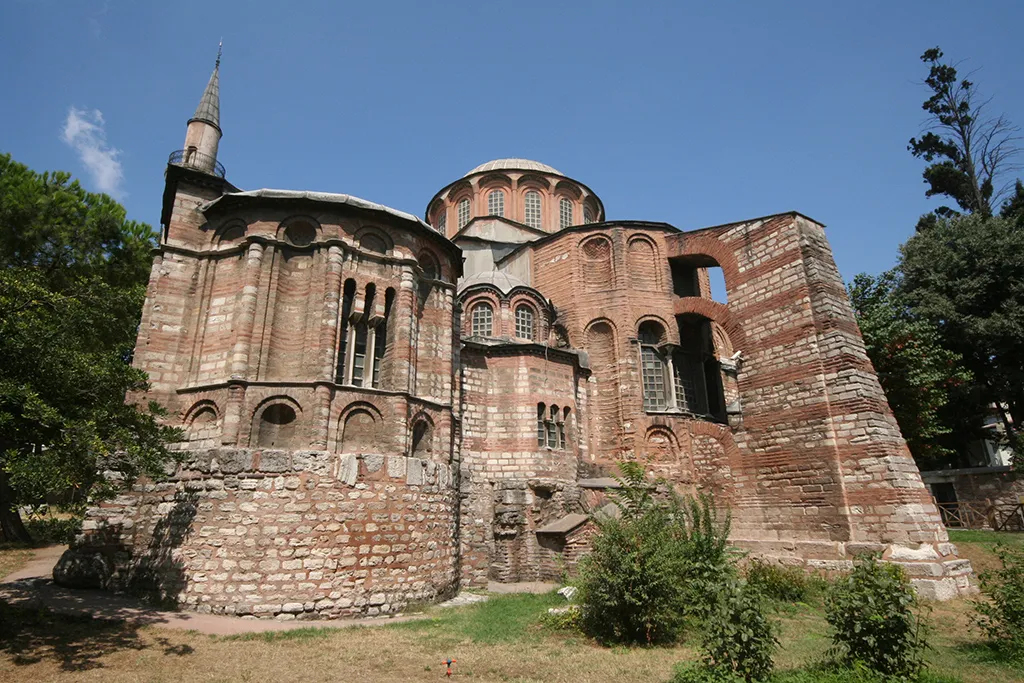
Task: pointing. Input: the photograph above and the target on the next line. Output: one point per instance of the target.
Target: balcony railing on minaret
(190, 158)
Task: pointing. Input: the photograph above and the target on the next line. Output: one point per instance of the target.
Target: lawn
(499, 640)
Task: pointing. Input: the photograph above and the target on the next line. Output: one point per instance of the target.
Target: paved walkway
(33, 585)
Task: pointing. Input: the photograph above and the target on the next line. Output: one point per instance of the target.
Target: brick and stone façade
(378, 410)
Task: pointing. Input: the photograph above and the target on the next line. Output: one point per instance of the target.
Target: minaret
(203, 135)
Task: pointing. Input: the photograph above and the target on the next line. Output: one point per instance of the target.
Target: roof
(329, 197)
(514, 164)
(496, 278)
(209, 105)
(564, 525)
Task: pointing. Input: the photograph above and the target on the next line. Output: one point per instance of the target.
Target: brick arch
(273, 431)
(652, 318)
(488, 295)
(371, 233)
(661, 444)
(421, 436)
(601, 343)
(596, 263)
(716, 312)
(643, 263)
(286, 230)
(230, 232)
(359, 426)
(707, 250)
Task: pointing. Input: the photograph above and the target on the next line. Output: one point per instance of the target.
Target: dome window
(532, 207)
(588, 215)
(463, 213)
(564, 213)
(483, 314)
(524, 322)
(442, 222)
(496, 203)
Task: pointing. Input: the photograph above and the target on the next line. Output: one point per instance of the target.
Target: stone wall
(278, 534)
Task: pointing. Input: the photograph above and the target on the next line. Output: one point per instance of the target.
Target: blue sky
(691, 113)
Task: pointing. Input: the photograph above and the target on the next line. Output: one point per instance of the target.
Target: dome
(514, 165)
(497, 278)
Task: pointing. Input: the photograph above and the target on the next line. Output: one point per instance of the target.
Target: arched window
(652, 366)
(564, 213)
(588, 215)
(442, 221)
(380, 338)
(422, 439)
(532, 209)
(300, 233)
(482, 317)
(428, 264)
(542, 430)
(463, 213)
(348, 298)
(496, 203)
(524, 322)
(363, 338)
(552, 427)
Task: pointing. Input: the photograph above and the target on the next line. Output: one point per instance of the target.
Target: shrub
(1002, 616)
(872, 612)
(738, 637)
(652, 568)
(785, 584)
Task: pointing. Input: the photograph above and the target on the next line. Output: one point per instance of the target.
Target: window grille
(653, 374)
(442, 222)
(524, 322)
(463, 213)
(496, 203)
(588, 216)
(532, 213)
(564, 213)
(541, 426)
(483, 314)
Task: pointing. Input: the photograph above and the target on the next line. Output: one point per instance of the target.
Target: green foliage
(966, 150)
(919, 375)
(873, 615)
(54, 530)
(654, 567)
(1001, 616)
(850, 674)
(738, 637)
(782, 583)
(71, 288)
(501, 619)
(965, 277)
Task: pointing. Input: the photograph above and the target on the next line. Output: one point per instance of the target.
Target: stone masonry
(379, 409)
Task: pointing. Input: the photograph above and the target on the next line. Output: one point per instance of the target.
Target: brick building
(379, 409)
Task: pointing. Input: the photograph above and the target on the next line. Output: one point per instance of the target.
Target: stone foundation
(277, 534)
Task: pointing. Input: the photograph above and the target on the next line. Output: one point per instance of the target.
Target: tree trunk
(11, 528)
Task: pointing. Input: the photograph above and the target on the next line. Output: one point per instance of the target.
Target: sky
(692, 113)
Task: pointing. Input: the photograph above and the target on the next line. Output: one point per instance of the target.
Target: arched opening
(532, 209)
(422, 438)
(642, 264)
(429, 266)
(697, 371)
(300, 233)
(698, 276)
(525, 324)
(496, 203)
(600, 346)
(381, 332)
(359, 431)
(341, 375)
(482, 319)
(277, 427)
(370, 241)
(653, 367)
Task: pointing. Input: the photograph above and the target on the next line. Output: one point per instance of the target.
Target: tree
(965, 277)
(969, 152)
(918, 374)
(71, 288)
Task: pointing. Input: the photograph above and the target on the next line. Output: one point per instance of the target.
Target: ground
(499, 640)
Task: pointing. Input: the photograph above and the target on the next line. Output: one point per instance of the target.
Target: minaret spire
(208, 110)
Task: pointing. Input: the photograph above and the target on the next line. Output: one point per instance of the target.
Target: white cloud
(84, 132)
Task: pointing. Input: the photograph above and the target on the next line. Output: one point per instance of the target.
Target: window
(690, 389)
(524, 322)
(551, 427)
(463, 213)
(652, 366)
(380, 338)
(588, 215)
(442, 222)
(564, 213)
(483, 313)
(496, 203)
(348, 296)
(374, 243)
(276, 427)
(542, 429)
(531, 213)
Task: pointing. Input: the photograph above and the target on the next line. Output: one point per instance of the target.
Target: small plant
(782, 583)
(873, 614)
(653, 568)
(1002, 615)
(739, 639)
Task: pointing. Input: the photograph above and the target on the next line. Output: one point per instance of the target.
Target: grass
(502, 639)
(979, 546)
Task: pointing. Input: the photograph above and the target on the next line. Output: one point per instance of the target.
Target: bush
(738, 637)
(650, 570)
(1002, 616)
(785, 584)
(872, 612)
